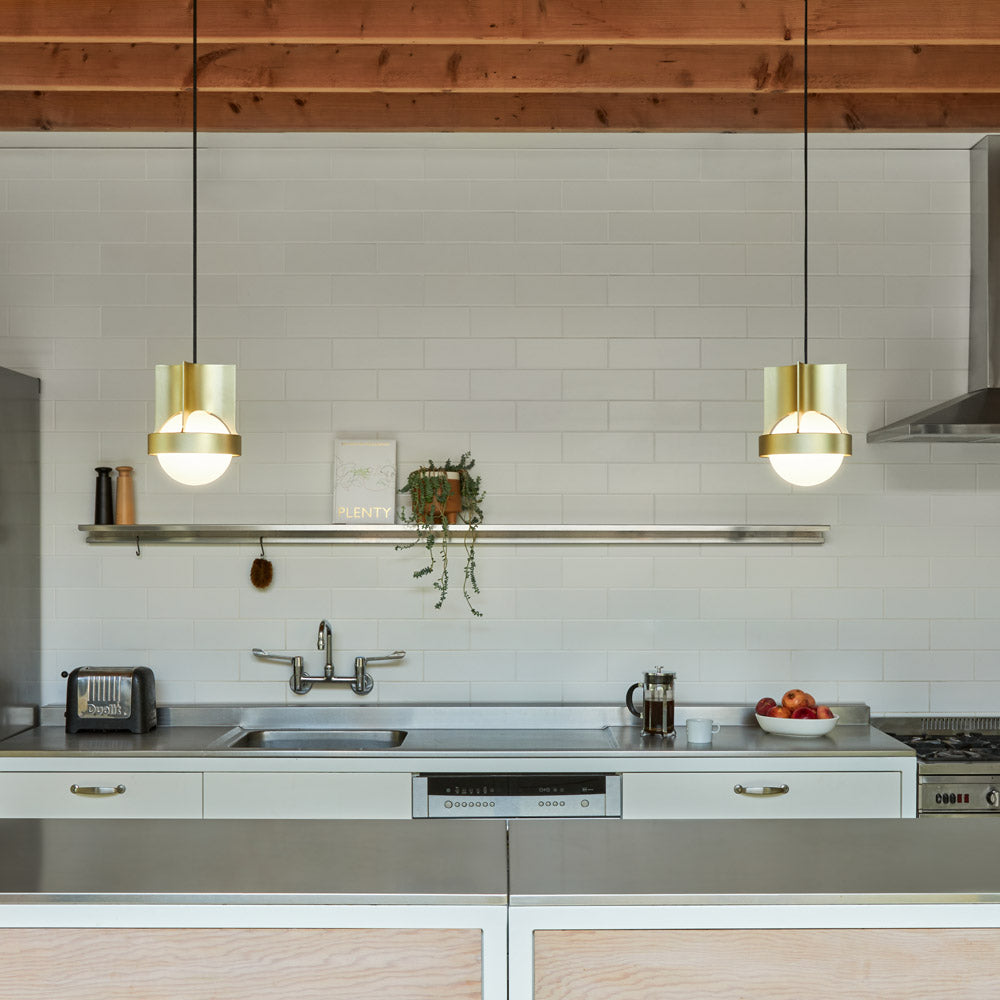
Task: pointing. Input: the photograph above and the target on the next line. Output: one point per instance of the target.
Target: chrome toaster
(105, 699)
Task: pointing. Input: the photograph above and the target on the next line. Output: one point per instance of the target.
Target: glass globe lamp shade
(805, 469)
(190, 468)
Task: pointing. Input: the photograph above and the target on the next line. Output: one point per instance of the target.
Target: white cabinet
(100, 795)
(308, 795)
(763, 793)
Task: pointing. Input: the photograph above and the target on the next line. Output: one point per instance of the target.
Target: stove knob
(992, 798)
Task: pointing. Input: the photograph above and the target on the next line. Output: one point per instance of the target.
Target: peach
(779, 712)
(804, 712)
(823, 712)
(764, 705)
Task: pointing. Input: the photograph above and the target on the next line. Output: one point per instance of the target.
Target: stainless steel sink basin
(312, 739)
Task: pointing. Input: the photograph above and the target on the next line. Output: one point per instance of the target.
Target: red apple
(764, 705)
(804, 712)
(779, 712)
(795, 698)
(823, 712)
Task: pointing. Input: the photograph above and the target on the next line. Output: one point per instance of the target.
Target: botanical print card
(364, 482)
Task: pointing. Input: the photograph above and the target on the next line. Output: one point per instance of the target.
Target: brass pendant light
(805, 406)
(195, 421)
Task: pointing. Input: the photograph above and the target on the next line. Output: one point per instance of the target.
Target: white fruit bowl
(797, 727)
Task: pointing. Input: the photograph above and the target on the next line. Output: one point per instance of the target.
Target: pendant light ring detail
(804, 443)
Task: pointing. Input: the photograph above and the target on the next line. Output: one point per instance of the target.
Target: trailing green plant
(429, 490)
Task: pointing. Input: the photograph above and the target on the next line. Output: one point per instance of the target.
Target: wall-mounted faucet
(301, 683)
(324, 641)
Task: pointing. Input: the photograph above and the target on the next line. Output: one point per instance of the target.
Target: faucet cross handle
(297, 681)
(363, 681)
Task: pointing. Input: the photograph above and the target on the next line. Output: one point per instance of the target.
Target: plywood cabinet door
(782, 964)
(240, 964)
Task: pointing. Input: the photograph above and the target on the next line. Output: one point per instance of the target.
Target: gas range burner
(955, 747)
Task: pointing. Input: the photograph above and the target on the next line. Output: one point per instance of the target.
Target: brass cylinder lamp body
(195, 421)
(805, 416)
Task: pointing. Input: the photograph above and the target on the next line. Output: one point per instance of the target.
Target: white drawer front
(810, 794)
(100, 795)
(310, 795)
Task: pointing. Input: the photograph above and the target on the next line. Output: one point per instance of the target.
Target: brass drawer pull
(760, 789)
(97, 790)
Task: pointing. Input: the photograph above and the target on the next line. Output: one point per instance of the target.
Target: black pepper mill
(104, 508)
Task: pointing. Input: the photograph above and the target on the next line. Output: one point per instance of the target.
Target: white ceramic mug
(701, 730)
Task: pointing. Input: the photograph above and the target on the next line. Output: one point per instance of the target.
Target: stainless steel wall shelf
(534, 534)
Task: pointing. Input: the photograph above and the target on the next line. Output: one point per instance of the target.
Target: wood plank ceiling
(507, 65)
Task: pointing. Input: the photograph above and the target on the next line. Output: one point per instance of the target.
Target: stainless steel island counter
(755, 910)
(644, 910)
(756, 862)
(220, 910)
(343, 862)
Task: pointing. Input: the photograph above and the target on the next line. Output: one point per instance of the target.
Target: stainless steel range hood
(976, 415)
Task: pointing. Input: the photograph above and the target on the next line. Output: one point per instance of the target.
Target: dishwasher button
(584, 803)
(447, 804)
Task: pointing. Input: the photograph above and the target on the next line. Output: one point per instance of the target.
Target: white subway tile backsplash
(592, 319)
(517, 385)
(699, 196)
(888, 196)
(667, 225)
(562, 416)
(654, 290)
(270, 164)
(559, 164)
(314, 195)
(928, 290)
(609, 384)
(776, 633)
(620, 508)
(409, 195)
(465, 163)
(607, 195)
(468, 354)
(922, 227)
(469, 416)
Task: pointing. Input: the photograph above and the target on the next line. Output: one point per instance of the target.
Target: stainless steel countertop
(454, 862)
(435, 731)
(933, 859)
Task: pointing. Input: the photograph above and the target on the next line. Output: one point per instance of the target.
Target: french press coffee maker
(657, 703)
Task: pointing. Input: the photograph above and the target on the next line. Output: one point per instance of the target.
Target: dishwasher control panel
(471, 796)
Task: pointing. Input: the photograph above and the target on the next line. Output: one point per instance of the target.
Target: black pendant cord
(194, 182)
(805, 183)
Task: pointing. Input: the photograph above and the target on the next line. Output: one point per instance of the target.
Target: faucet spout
(324, 642)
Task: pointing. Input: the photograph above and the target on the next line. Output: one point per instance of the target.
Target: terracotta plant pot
(436, 512)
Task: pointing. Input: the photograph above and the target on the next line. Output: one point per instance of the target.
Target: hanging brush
(261, 572)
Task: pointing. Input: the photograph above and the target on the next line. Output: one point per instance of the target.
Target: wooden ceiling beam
(458, 112)
(573, 21)
(485, 67)
(498, 64)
